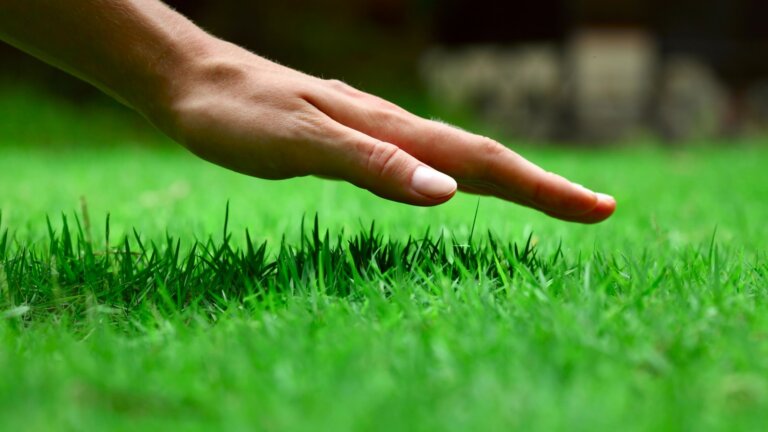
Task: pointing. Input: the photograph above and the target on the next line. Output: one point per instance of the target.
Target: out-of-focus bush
(518, 92)
(692, 102)
(600, 86)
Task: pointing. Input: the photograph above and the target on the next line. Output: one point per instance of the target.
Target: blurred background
(581, 72)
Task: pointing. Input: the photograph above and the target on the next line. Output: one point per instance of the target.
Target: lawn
(476, 315)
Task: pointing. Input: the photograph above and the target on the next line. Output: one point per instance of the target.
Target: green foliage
(495, 319)
(72, 273)
(361, 333)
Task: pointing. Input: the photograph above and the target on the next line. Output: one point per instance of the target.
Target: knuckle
(492, 153)
(337, 84)
(389, 119)
(352, 92)
(382, 159)
(490, 147)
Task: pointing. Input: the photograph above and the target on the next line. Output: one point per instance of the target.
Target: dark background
(376, 44)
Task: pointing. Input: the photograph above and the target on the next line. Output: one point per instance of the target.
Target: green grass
(476, 315)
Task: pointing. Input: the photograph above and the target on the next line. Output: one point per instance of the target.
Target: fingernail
(606, 197)
(431, 183)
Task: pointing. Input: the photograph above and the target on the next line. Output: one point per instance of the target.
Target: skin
(251, 115)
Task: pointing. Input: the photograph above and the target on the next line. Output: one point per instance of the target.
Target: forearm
(131, 49)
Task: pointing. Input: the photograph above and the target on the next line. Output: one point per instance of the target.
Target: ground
(654, 320)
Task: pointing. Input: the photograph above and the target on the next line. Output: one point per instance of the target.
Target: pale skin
(251, 115)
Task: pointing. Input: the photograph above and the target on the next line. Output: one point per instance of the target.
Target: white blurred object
(516, 90)
(692, 102)
(613, 73)
(603, 86)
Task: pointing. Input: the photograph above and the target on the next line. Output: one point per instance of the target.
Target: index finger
(478, 163)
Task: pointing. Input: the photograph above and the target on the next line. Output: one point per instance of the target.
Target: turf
(131, 297)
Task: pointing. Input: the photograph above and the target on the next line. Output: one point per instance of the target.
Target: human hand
(251, 115)
(248, 114)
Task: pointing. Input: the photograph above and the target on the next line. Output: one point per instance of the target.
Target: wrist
(204, 70)
(168, 77)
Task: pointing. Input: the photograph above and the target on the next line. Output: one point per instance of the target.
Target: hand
(245, 113)
(251, 115)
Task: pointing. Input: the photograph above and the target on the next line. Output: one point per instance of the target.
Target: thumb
(389, 172)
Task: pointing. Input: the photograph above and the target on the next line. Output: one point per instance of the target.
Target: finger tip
(433, 184)
(606, 204)
(432, 202)
(584, 206)
(578, 201)
(605, 208)
(606, 199)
